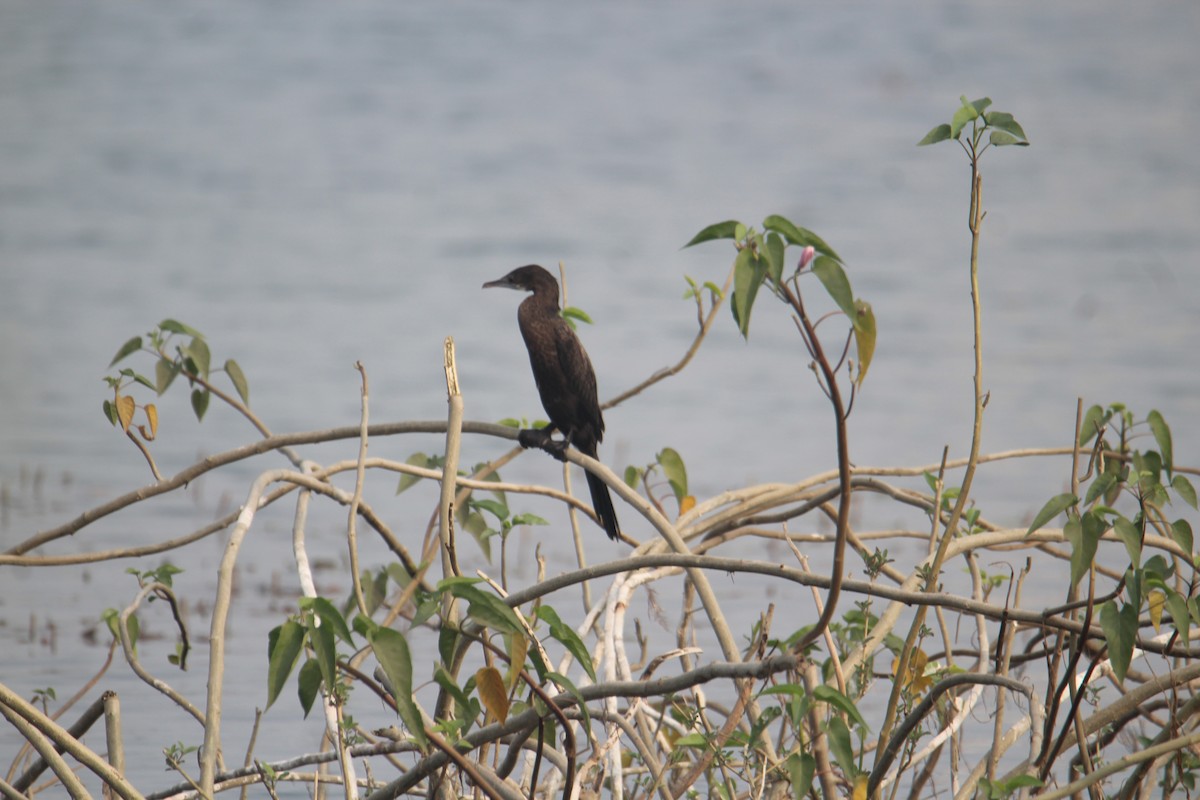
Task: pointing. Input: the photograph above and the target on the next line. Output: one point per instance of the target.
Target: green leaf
(719, 230)
(329, 615)
(748, 273)
(1120, 627)
(284, 644)
(174, 326)
(568, 638)
(632, 473)
(840, 746)
(1162, 435)
(1004, 139)
(1181, 532)
(1084, 536)
(110, 412)
(127, 349)
(497, 509)
(234, 371)
(1131, 537)
(415, 460)
(980, 104)
(1054, 506)
(828, 694)
(392, 651)
(200, 400)
(197, 350)
(673, 467)
(164, 373)
(321, 639)
(1093, 420)
(1183, 487)
(1003, 121)
(833, 277)
(775, 252)
(571, 312)
(487, 609)
(1099, 488)
(965, 114)
(564, 683)
(1179, 616)
(308, 684)
(939, 134)
(864, 336)
(801, 768)
(798, 236)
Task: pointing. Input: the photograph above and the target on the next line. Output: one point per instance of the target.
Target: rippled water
(319, 184)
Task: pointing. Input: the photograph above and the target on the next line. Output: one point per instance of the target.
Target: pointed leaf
(840, 746)
(308, 683)
(127, 349)
(568, 637)
(1183, 487)
(801, 767)
(1131, 537)
(1155, 602)
(1181, 532)
(980, 104)
(197, 350)
(164, 373)
(673, 467)
(329, 615)
(572, 313)
(110, 412)
(828, 694)
(748, 273)
(487, 609)
(864, 337)
(152, 419)
(833, 277)
(1054, 506)
(392, 651)
(199, 403)
(1120, 631)
(1093, 420)
(939, 134)
(1004, 139)
(961, 117)
(798, 236)
(407, 480)
(321, 639)
(719, 230)
(234, 371)
(1179, 616)
(1162, 435)
(564, 683)
(174, 326)
(1100, 487)
(775, 252)
(284, 644)
(125, 410)
(490, 686)
(1003, 121)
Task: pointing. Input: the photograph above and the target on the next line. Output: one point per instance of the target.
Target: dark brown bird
(565, 380)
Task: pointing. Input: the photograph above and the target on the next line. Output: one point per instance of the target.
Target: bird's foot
(543, 440)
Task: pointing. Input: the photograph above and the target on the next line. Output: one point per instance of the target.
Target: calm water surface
(333, 183)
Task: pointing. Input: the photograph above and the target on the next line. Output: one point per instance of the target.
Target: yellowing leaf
(152, 418)
(492, 693)
(1157, 600)
(915, 680)
(125, 409)
(687, 504)
(860, 786)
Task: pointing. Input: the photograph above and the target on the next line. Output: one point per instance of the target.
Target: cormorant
(565, 380)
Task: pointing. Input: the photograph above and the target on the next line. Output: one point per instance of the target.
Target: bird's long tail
(602, 502)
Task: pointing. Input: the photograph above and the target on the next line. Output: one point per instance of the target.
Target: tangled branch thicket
(901, 687)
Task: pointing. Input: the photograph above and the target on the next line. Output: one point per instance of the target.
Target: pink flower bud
(806, 257)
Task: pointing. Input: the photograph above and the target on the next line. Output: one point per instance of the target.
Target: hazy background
(312, 184)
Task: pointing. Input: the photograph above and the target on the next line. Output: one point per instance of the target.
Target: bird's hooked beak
(502, 283)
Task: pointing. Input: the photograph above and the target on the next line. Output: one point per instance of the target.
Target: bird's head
(526, 279)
